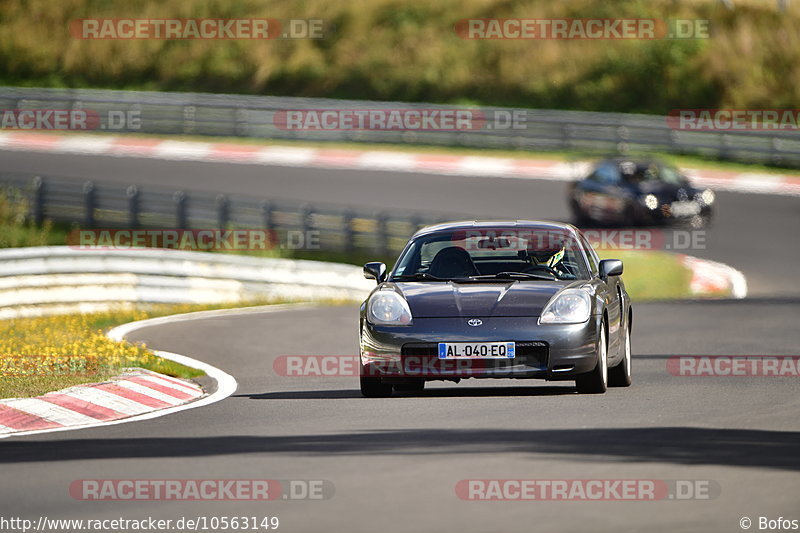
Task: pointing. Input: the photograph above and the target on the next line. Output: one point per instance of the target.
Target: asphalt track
(395, 462)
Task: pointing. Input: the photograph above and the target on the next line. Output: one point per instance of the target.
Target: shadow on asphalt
(678, 445)
(449, 392)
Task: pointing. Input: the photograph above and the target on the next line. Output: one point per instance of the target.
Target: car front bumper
(550, 352)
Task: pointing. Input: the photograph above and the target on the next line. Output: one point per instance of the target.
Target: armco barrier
(298, 226)
(533, 129)
(56, 279)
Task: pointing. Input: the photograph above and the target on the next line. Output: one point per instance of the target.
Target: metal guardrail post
(348, 235)
(181, 220)
(188, 119)
(89, 203)
(132, 193)
(567, 133)
(223, 211)
(306, 220)
(266, 215)
(776, 157)
(383, 234)
(37, 206)
(725, 148)
(242, 122)
(416, 223)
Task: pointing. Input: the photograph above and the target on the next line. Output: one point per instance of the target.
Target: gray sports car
(521, 299)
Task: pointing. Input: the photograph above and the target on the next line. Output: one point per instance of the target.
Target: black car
(496, 300)
(638, 192)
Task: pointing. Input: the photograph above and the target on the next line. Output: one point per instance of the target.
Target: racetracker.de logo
(416, 119)
(512, 240)
(200, 489)
(586, 489)
(734, 119)
(581, 29)
(69, 119)
(407, 366)
(734, 365)
(192, 239)
(201, 28)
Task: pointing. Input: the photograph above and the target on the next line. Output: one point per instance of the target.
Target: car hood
(466, 300)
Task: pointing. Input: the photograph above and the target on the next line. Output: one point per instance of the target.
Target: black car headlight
(570, 306)
(387, 308)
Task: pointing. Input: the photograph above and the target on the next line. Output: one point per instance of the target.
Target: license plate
(685, 209)
(476, 350)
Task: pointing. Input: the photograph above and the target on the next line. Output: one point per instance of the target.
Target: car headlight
(707, 196)
(650, 201)
(387, 308)
(570, 306)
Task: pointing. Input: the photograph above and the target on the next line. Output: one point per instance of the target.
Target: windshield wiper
(419, 276)
(512, 275)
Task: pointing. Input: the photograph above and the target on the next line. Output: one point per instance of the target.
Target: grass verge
(652, 275)
(43, 354)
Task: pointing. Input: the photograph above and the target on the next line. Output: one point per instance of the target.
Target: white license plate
(685, 209)
(476, 350)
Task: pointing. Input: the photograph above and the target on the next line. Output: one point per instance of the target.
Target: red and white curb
(713, 279)
(515, 168)
(136, 396)
(135, 392)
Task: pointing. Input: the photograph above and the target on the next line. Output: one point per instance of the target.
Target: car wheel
(414, 385)
(372, 387)
(596, 381)
(620, 375)
(630, 217)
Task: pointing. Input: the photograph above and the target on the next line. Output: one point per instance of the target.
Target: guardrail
(534, 129)
(299, 226)
(58, 279)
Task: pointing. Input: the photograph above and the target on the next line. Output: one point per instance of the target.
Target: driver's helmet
(547, 257)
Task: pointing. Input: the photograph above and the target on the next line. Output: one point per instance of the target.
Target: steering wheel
(551, 270)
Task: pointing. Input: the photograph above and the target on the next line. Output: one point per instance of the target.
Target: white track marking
(152, 393)
(109, 400)
(49, 411)
(175, 385)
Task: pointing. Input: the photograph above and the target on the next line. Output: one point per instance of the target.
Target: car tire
(631, 217)
(579, 218)
(372, 387)
(414, 385)
(596, 381)
(620, 375)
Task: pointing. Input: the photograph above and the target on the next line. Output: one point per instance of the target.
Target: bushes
(388, 49)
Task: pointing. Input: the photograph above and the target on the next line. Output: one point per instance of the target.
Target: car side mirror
(376, 271)
(610, 267)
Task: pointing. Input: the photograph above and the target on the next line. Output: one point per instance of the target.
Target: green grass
(60, 334)
(396, 50)
(32, 386)
(652, 275)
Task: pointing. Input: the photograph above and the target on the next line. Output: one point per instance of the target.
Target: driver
(547, 257)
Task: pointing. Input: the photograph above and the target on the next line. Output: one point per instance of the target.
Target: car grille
(528, 353)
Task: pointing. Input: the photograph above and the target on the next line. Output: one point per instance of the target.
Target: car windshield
(648, 172)
(492, 254)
